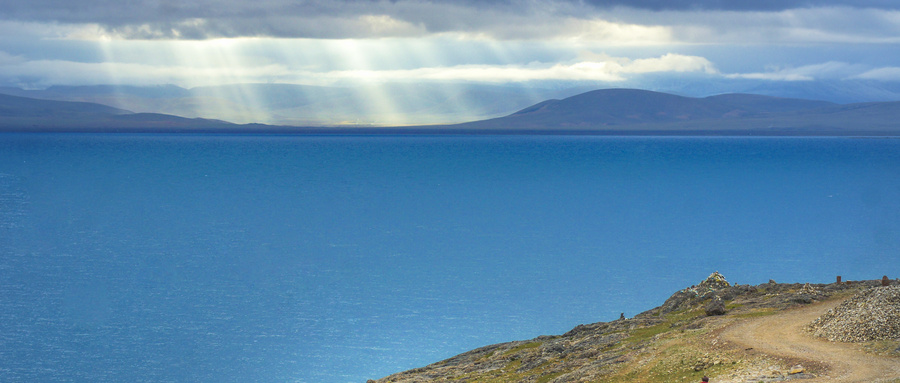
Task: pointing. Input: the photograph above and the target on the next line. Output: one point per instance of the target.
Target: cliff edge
(731, 333)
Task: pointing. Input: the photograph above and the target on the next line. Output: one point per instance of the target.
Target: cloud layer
(601, 42)
(610, 21)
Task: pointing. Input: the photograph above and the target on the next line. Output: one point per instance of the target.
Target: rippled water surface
(341, 258)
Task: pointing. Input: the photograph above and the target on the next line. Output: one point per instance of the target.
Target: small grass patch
(648, 332)
(883, 347)
(521, 347)
(507, 374)
(672, 320)
(676, 364)
(487, 356)
(549, 377)
(510, 374)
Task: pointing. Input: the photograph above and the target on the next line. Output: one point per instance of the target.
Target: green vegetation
(521, 347)
(549, 377)
(680, 346)
(757, 313)
(672, 320)
(883, 347)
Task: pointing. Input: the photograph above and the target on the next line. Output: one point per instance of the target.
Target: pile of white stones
(873, 314)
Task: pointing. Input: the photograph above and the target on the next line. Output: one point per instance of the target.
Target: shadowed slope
(641, 110)
(13, 106)
(28, 114)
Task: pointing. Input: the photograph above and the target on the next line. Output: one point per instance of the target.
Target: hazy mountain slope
(28, 114)
(13, 106)
(616, 111)
(632, 110)
(305, 105)
(417, 103)
(621, 106)
(754, 104)
(841, 91)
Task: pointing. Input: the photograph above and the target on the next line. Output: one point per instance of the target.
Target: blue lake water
(220, 258)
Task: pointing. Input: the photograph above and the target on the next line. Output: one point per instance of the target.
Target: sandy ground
(784, 336)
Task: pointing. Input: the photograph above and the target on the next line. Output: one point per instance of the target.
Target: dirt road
(783, 335)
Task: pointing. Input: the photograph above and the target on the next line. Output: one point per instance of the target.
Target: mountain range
(394, 104)
(606, 111)
(28, 114)
(638, 111)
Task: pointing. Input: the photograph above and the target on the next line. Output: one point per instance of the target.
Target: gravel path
(783, 335)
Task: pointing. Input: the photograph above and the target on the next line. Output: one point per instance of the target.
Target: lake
(236, 258)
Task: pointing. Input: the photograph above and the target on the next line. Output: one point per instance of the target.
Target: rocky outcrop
(715, 307)
(873, 314)
(715, 281)
(659, 345)
(713, 286)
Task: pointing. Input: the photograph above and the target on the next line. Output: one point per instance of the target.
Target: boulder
(715, 307)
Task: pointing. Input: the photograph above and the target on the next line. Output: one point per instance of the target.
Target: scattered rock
(808, 289)
(704, 363)
(873, 314)
(715, 307)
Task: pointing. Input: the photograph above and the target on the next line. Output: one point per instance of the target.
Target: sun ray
(378, 101)
(225, 77)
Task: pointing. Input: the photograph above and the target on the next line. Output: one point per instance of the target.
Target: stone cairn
(706, 290)
(808, 289)
(715, 281)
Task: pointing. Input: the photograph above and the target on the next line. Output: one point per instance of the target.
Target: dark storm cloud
(742, 5)
(351, 18)
(126, 12)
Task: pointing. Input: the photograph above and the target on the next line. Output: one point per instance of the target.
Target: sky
(345, 42)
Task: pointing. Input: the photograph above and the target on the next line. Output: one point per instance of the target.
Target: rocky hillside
(675, 342)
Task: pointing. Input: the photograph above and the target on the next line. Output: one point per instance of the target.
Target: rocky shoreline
(672, 342)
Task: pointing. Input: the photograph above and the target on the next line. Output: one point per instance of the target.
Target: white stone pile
(872, 314)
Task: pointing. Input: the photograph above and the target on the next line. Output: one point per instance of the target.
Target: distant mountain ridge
(625, 106)
(636, 111)
(606, 111)
(12, 106)
(404, 103)
(29, 114)
(308, 105)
